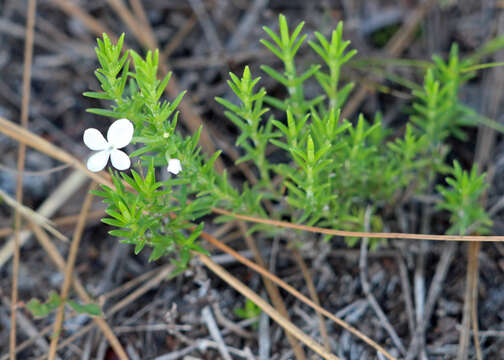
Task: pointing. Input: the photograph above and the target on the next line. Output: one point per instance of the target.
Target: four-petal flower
(174, 166)
(119, 135)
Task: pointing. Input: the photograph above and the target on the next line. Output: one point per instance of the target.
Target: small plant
(249, 311)
(39, 309)
(462, 200)
(144, 210)
(335, 167)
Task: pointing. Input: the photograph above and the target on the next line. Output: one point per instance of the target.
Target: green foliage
(285, 46)
(462, 200)
(248, 311)
(112, 63)
(437, 112)
(335, 168)
(89, 309)
(39, 309)
(143, 209)
(334, 55)
(248, 118)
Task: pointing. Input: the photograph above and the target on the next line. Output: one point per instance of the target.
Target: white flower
(174, 166)
(119, 135)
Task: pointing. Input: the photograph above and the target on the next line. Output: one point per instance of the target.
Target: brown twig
(120, 289)
(51, 204)
(444, 263)
(313, 294)
(27, 68)
(36, 142)
(474, 312)
(378, 235)
(228, 324)
(54, 254)
(139, 29)
(470, 299)
(35, 173)
(79, 229)
(294, 292)
(32, 215)
(273, 291)
(62, 221)
(162, 275)
(267, 308)
(484, 148)
(366, 287)
(403, 274)
(209, 31)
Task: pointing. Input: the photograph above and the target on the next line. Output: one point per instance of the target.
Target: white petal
(98, 161)
(94, 140)
(174, 166)
(120, 133)
(120, 160)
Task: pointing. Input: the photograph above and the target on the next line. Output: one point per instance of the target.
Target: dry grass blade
(296, 293)
(27, 68)
(403, 36)
(366, 288)
(162, 274)
(28, 327)
(153, 274)
(50, 205)
(33, 216)
(485, 147)
(267, 308)
(447, 255)
(474, 314)
(313, 294)
(79, 229)
(273, 292)
(36, 142)
(64, 220)
(35, 173)
(378, 235)
(54, 254)
(470, 303)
